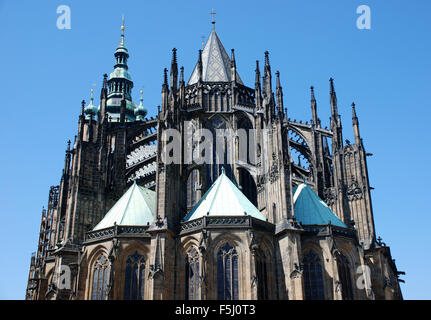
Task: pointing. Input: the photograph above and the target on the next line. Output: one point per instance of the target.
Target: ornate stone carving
(273, 173)
(354, 192)
(329, 196)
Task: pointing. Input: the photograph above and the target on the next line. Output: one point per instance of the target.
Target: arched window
(227, 273)
(193, 185)
(134, 280)
(274, 213)
(100, 278)
(192, 275)
(345, 277)
(313, 277)
(262, 276)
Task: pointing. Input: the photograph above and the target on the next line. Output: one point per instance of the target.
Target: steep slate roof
(223, 199)
(137, 207)
(216, 64)
(311, 210)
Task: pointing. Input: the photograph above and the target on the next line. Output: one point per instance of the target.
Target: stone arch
(315, 279)
(246, 142)
(93, 258)
(243, 256)
(186, 244)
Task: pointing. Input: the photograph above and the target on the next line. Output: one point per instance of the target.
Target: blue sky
(46, 72)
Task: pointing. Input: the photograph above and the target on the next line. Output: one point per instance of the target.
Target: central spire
(120, 82)
(216, 64)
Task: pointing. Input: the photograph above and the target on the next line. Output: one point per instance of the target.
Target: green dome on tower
(91, 109)
(140, 111)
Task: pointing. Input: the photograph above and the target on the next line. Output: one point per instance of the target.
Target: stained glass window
(227, 273)
(345, 277)
(192, 275)
(100, 279)
(313, 277)
(134, 280)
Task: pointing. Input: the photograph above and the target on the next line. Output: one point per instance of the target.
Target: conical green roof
(224, 199)
(311, 210)
(137, 207)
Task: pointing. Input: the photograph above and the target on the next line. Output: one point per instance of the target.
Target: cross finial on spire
(122, 24)
(213, 13)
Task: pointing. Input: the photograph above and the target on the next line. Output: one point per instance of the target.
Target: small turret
(91, 110)
(140, 111)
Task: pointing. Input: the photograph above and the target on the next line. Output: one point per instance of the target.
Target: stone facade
(170, 258)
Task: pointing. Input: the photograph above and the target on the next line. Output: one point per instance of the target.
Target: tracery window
(313, 277)
(227, 273)
(192, 275)
(100, 278)
(134, 280)
(345, 277)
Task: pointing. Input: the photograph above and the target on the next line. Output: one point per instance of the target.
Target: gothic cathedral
(220, 196)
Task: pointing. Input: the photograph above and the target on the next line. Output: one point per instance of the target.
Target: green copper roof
(311, 210)
(91, 109)
(137, 207)
(224, 199)
(120, 73)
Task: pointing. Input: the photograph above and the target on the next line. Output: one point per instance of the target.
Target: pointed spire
(200, 66)
(257, 87)
(267, 83)
(355, 122)
(279, 93)
(174, 71)
(123, 28)
(104, 90)
(165, 77)
(313, 105)
(257, 71)
(233, 66)
(354, 116)
(333, 99)
(165, 90)
(82, 108)
(182, 76)
(215, 64)
(119, 81)
(67, 159)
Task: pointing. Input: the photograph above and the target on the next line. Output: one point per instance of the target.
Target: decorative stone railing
(222, 222)
(114, 231)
